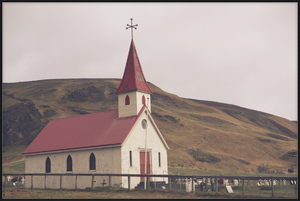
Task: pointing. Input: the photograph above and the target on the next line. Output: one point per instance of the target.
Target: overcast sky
(238, 53)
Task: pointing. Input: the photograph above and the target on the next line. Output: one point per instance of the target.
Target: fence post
(243, 187)
(128, 182)
(92, 182)
(169, 180)
(109, 182)
(216, 182)
(31, 182)
(75, 182)
(272, 188)
(45, 182)
(5, 178)
(179, 180)
(192, 184)
(60, 181)
(18, 182)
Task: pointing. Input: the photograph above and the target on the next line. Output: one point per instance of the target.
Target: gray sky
(238, 53)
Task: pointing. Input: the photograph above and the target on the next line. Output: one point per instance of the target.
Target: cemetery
(178, 183)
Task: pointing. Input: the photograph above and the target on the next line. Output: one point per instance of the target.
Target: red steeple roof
(133, 77)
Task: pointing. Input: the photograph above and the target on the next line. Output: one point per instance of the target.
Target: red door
(142, 162)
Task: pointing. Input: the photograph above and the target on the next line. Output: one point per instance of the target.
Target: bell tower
(133, 91)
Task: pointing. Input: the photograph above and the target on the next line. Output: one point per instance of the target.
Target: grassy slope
(240, 138)
(222, 135)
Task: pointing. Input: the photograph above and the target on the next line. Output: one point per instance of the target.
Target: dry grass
(12, 154)
(14, 167)
(121, 194)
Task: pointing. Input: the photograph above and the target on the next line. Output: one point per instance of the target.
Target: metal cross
(131, 26)
(103, 183)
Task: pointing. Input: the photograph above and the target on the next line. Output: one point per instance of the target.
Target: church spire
(133, 92)
(133, 77)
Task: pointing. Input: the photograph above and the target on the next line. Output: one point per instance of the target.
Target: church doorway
(142, 166)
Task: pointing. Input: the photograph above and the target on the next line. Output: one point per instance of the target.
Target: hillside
(201, 134)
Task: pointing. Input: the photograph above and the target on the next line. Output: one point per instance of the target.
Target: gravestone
(229, 189)
(23, 180)
(194, 184)
(14, 184)
(202, 187)
(188, 185)
(9, 178)
(284, 182)
(292, 182)
(226, 182)
(295, 182)
(213, 186)
(236, 182)
(274, 182)
(258, 184)
(208, 181)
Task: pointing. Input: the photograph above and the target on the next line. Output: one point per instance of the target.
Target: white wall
(135, 103)
(139, 96)
(107, 161)
(135, 142)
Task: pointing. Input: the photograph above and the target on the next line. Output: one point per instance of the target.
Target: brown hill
(201, 134)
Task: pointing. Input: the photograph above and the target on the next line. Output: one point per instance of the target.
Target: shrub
(262, 168)
(202, 157)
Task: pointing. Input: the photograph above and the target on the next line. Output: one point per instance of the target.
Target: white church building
(113, 141)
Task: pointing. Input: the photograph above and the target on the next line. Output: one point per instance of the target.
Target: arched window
(48, 165)
(158, 159)
(143, 100)
(92, 162)
(127, 100)
(69, 163)
(130, 158)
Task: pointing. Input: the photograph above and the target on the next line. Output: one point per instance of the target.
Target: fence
(170, 178)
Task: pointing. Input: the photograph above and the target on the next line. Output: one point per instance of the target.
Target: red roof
(133, 77)
(83, 131)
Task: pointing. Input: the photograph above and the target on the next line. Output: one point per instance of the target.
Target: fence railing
(170, 178)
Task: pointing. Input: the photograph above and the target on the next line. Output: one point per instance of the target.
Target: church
(120, 141)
